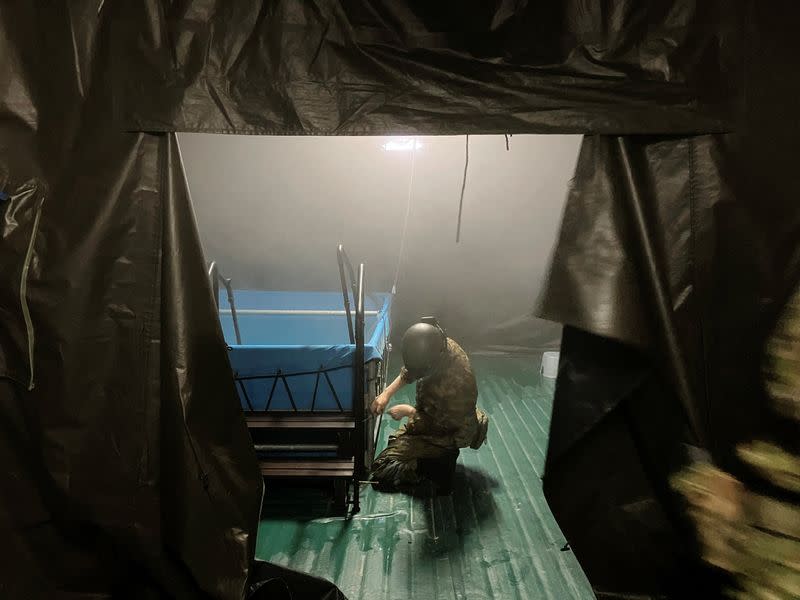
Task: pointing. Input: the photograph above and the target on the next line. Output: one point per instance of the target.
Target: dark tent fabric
(273, 582)
(129, 463)
(704, 250)
(617, 430)
(127, 460)
(447, 67)
(724, 223)
(613, 502)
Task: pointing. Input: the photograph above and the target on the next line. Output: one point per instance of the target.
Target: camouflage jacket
(446, 400)
(753, 535)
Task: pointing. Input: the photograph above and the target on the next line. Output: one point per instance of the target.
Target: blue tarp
(299, 346)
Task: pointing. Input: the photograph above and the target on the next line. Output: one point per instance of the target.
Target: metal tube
(292, 312)
(345, 293)
(232, 304)
(215, 276)
(358, 400)
(351, 271)
(296, 447)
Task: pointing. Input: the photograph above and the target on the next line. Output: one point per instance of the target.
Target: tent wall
(618, 426)
(728, 253)
(129, 461)
(608, 490)
(705, 248)
(128, 464)
(452, 67)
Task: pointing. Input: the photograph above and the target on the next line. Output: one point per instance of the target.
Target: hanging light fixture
(402, 144)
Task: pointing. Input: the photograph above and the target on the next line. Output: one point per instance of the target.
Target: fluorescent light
(402, 144)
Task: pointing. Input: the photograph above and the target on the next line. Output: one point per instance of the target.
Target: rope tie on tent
(463, 187)
(408, 212)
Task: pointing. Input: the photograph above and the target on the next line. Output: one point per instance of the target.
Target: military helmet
(423, 346)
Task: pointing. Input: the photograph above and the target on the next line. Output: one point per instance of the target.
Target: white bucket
(549, 367)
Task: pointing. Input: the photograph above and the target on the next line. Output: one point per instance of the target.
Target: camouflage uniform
(446, 419)
(756, 536)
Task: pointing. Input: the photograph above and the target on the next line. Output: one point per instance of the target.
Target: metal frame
(356, 329)
(279, 375)
(215, 276)
(358, 389)
(341, 257)
(293, 312)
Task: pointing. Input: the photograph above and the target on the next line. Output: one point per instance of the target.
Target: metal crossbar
(341, 257)
(215, 276)
(298, 374)
(283, 378)
(246, 396)
(355, 327)
(292, 312)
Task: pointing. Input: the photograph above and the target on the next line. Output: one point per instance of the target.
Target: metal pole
(232, 304)
(353, 283)
(293, 312)
(358, 400)
(345, 293)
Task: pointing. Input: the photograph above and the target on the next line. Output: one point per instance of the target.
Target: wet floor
(493, 538)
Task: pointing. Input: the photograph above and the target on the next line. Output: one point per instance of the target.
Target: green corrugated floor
(494, 538)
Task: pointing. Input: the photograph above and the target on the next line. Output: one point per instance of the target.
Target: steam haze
(271, 211)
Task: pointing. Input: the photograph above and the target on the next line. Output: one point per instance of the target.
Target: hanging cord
(507, 136)
(408, 212)
(463, 187)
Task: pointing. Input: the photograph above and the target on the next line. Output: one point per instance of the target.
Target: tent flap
(128, 460)
(416, 67)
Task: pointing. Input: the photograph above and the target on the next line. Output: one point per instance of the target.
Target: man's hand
(379, 404)
(401, 410)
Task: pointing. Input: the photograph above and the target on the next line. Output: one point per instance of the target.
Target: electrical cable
(463, 187)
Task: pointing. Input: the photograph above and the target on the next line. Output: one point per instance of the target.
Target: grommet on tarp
(3, 196)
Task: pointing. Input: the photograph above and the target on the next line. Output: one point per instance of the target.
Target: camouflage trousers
(411, 460)
(398, 466)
